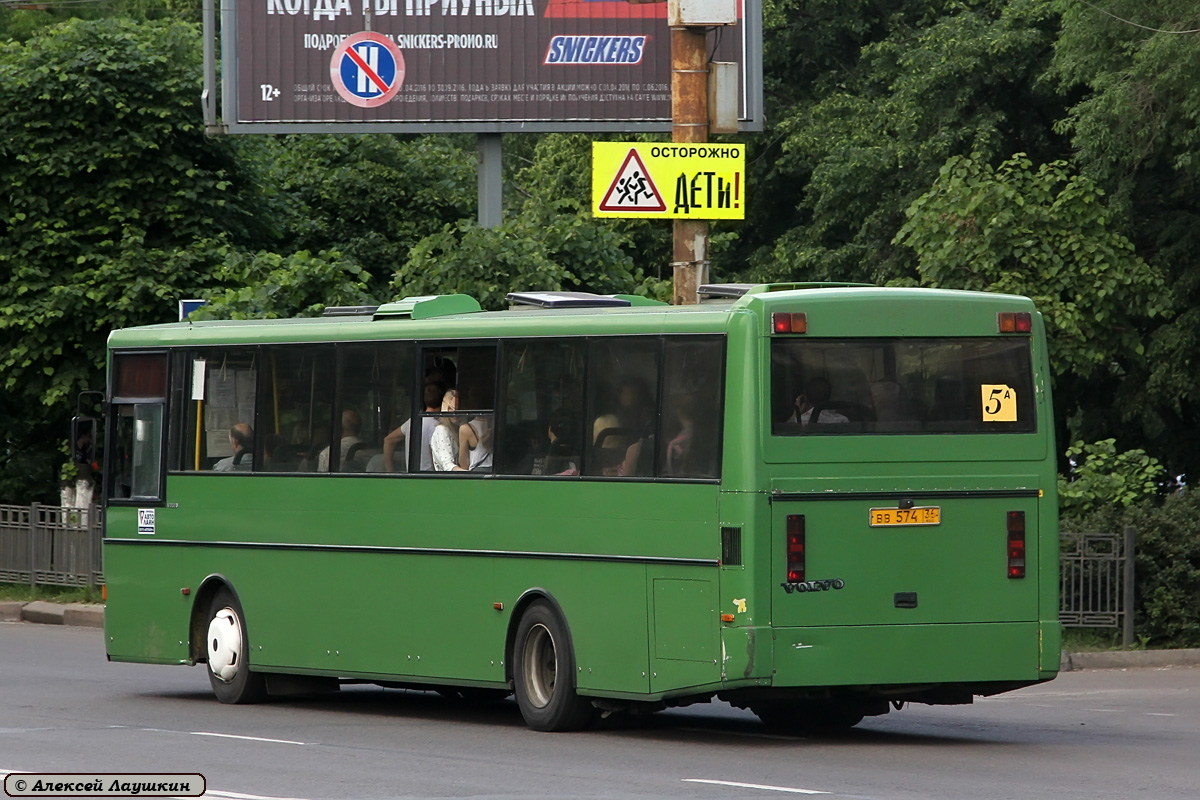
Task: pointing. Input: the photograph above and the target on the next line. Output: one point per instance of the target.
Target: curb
(1130, 659)
(40, 611)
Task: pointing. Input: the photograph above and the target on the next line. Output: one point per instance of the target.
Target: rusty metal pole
(689, 124)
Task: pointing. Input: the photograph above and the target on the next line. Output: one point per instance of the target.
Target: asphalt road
(1103, 734)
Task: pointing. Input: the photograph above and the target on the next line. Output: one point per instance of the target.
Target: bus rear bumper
(875, 655)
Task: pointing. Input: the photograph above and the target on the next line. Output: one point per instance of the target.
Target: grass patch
(24, 593)
(1092, 640)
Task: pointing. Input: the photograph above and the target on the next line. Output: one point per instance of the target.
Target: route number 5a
(999, 403)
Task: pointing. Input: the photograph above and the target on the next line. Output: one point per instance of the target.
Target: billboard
(461, 65)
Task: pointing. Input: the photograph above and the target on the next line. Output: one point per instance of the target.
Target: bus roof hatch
(428, 306)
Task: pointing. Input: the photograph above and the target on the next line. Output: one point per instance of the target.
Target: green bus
(814, 501)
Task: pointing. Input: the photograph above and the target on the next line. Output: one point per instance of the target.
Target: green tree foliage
(1101, 477)
(369, 197)
(1133, 127)
(111, 202)
(271, 286)
(1045, 233)
(553, 248)
(929, 80)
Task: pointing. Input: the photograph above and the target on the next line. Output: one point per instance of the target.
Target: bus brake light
(1014, 322)
(784, 322)
(1016, 544)
(795, 548)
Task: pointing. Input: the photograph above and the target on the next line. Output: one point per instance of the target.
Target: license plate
(891, 517)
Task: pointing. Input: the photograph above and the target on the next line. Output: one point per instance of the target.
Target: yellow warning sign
(999, 402)
(669, 181)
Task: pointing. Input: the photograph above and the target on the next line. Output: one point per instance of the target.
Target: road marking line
(737, 785)
(1158, 714)
(245, 738)
(1104, 710)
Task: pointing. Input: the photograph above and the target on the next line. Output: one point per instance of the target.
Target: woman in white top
(443, 444)
(475, 444)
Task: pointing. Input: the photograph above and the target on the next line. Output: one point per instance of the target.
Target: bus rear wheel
(544, 673)
(228, 650)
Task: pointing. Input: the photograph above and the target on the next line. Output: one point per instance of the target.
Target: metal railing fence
(1096, 581)
(51, 545)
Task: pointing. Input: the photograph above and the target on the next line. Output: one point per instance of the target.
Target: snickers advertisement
(335, 61)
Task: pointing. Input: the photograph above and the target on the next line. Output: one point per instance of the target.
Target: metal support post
(689, 124)
(90, 547)
(208, 97)
(1127, 588)
(491, 180)
(33, 515)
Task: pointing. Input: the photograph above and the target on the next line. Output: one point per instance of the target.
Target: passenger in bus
(443, 443)
(679, 448)
(817, 393)
(635, 421)
(475, 441)
(241, 441)
(351, 425)
(432, 400)
(563, 455)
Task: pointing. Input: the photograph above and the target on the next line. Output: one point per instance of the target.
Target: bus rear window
(888, 386)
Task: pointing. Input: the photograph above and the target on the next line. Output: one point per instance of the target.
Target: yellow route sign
(669, 181)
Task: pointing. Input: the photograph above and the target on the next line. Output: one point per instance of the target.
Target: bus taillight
(1014, 322)
(783, 322)
(795, 548)
(1016, 544)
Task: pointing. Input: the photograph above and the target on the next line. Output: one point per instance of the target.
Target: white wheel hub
(225, 645)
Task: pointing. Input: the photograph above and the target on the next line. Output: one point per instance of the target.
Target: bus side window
(374, 395)
(541, 408)
(622, 404)
(690, 437)
(295, 415)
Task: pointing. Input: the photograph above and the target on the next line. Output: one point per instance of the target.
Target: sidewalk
(91, 615)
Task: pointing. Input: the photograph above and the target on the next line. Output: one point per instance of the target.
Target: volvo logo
(813, 586)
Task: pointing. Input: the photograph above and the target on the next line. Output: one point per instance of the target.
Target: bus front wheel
(544, 673)
(228, 650)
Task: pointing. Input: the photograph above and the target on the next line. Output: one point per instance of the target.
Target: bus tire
(228, 649)
(544, 673)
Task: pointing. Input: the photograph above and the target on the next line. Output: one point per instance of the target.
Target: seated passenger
(351, 425)
(241, 441)
(562, 458)
(816, 394)
(443, 443)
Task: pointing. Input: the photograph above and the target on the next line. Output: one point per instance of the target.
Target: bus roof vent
(792, 287)
(724, 289)
(567, 300)
(427, 307)
(349, 311)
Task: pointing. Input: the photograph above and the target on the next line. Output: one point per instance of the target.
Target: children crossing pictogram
(367, 69)
(633, 188)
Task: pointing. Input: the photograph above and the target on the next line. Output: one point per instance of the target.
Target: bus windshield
(901, 385)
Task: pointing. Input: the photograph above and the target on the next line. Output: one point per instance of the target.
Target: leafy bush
(1102, 477)
(1168, 569)
(1167, 563)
